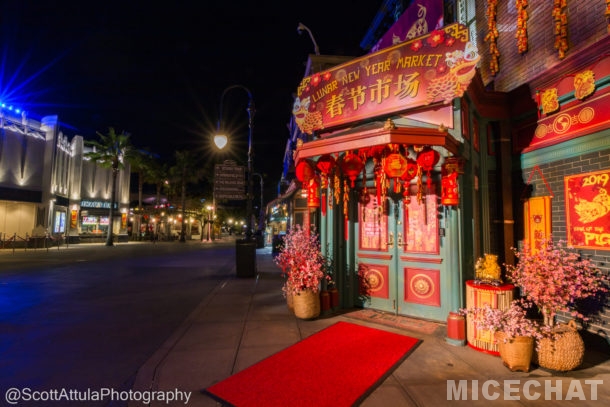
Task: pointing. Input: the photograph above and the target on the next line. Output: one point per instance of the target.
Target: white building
(47, 187)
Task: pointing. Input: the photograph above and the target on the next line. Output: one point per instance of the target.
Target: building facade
(407, 196)
(49, 190)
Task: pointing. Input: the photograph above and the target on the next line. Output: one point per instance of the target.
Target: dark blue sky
(157, 70)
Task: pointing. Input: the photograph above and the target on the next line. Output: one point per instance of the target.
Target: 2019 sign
(588, 210)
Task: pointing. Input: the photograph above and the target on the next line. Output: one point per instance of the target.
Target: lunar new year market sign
(437, 67)
(587, 199)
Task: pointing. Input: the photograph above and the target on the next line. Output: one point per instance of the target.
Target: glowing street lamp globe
(220, 140)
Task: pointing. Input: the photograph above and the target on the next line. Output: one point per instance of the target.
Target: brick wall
(586, 25)
(554, 174)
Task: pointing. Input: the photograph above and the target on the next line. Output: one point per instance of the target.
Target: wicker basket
(563, 351)
(516, 353)
(306, 304)
(290, 302)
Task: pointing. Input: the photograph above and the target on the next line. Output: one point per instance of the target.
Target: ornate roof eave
(355, 140)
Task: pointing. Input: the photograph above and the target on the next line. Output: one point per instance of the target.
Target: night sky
(158, 71)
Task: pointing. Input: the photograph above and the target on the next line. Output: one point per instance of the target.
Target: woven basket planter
(562, 352)
(516, 353)
(306, 304)
(290, 302)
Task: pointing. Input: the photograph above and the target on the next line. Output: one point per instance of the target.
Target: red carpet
(336, 367)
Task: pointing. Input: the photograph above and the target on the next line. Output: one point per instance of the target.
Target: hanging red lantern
(411, 171)
(395, 165)
(449, 186)
(351, 166)
(304, 171)
(325, 165)
(449, 190)
(313, 193)
(427, 158)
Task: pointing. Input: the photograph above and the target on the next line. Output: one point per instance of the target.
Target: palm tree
(185, 171)
(109, 152)
(141, 162)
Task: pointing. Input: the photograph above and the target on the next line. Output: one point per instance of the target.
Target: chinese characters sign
(437, 67)
(588, 210)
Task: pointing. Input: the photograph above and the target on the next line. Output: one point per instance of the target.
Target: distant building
(48, 188)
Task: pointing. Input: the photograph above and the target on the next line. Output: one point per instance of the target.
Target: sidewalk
(246, 320)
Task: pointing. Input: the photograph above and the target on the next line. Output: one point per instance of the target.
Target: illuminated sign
(89, 220)
(96, 204)
(437, 67)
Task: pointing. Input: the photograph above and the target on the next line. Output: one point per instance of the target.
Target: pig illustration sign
(587, 200)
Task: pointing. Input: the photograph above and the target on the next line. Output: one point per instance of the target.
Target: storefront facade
(519, 152)
(48, 190)
(384, 170)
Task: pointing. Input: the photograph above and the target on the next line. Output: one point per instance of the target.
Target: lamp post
(221, 139)
(302, 27)
(260, 210)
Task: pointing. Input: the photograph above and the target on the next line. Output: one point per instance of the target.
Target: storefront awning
(367, 137)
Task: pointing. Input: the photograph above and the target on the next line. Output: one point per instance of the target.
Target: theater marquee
(587, 202)
(437, 67)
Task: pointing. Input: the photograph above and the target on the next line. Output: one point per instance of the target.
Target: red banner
(437, 67)
(588, 210)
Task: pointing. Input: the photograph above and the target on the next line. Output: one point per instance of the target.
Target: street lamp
(221, 139)
(302, 27)
(260, 210)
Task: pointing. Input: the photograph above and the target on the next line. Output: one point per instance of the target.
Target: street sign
(229, 182)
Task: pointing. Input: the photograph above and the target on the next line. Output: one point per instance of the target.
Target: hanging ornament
(411, 171)
(521, 34)
(395, 166)
(351, 166)
(304, 171)
(427, 159)
(560, 26)
(492, 36)
(450, 170)
(313, 193)
(325, 165)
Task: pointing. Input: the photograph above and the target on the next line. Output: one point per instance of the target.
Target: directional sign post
(229, 181)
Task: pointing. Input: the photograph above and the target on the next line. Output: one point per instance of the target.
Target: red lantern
(352, 166)
(411, 171)
(449, 190)
(313, 193)
(427, 158)
(304, 171)
(395, 165)
(325, 165)
(450, 195)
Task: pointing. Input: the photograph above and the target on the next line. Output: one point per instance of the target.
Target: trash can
(245, 257)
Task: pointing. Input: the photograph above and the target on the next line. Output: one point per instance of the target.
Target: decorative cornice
(570, 149)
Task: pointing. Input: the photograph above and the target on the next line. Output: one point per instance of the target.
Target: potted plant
(303, 266)
(556, 279)
(514, 333)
